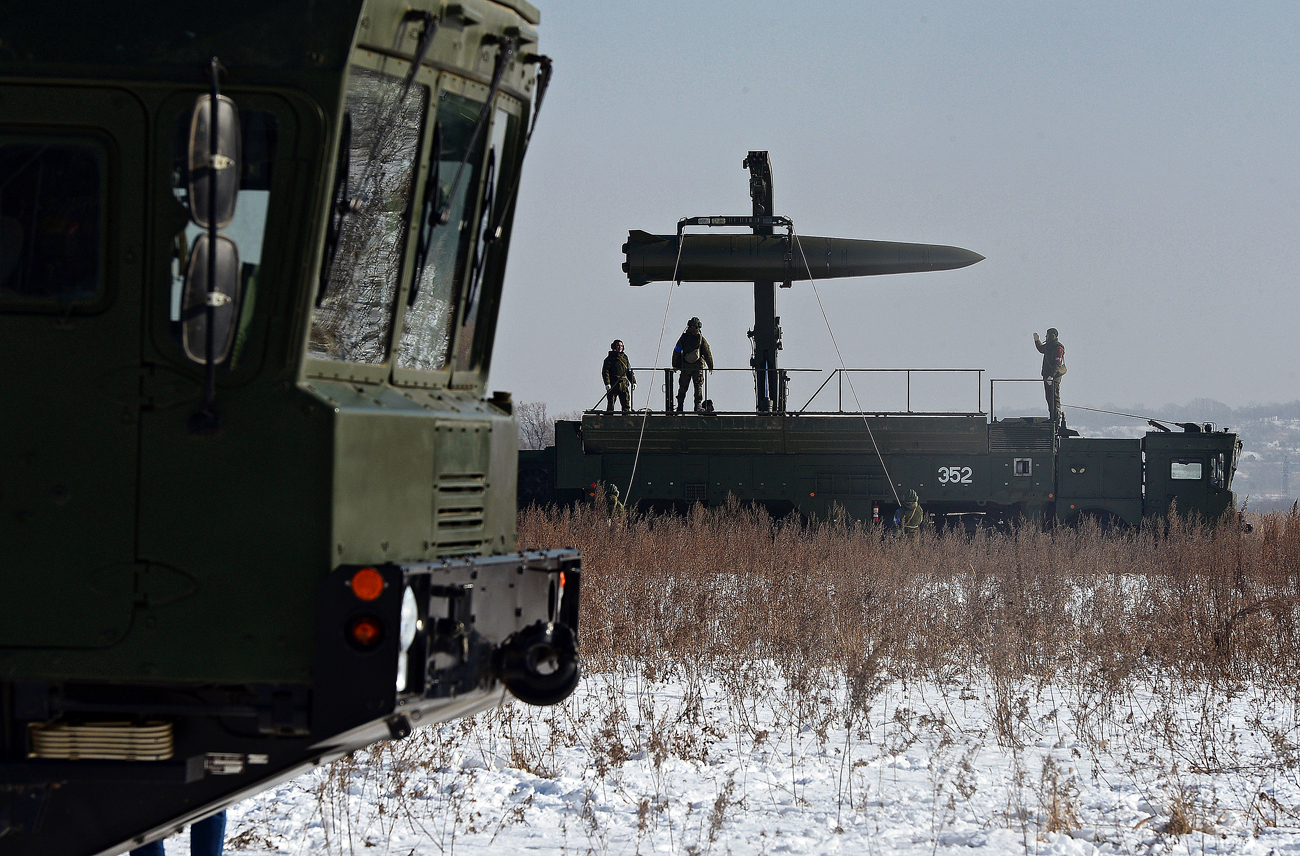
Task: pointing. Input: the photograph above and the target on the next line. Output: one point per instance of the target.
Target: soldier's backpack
(692, 355)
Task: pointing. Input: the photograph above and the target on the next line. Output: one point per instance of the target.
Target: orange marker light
(367, 584)
(810, 493)
(366, 631)
(561, 579)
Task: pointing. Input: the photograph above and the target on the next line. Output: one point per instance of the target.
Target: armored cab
(258, 508)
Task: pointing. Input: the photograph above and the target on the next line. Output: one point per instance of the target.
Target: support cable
(844, 367)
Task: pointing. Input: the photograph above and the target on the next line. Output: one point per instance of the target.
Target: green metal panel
(67, 507)
(1100, 477)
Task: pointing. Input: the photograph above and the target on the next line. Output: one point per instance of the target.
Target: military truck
(258, 507)
(964, 465)
(966, 468)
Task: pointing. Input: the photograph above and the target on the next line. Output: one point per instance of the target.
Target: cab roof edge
(526, 10)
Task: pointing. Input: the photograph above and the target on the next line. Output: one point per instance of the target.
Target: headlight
(406, 634)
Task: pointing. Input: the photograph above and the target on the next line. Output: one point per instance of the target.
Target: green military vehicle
(258, 510)
(965, 468)
(964, 465)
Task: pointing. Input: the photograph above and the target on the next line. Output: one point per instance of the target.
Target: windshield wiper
(436, 210)
(509, 44)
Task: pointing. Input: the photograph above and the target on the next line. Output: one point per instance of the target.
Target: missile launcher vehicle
(258, 509)
(965, 466)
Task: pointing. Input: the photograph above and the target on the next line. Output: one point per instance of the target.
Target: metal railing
(669, 385)
(839, 374)
(995, 380)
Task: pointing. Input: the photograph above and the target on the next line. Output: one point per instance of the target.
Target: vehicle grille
(109, 741)
(1020, 438)
(458, 511)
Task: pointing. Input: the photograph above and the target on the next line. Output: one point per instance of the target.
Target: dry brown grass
(806, 631)
(719, 588)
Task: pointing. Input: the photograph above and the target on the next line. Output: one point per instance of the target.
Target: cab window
(51, 223)
(369, 212)
(427, 325)
(1185, 470)
(484, 282)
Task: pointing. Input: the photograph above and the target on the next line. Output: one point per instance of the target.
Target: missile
(777, 258)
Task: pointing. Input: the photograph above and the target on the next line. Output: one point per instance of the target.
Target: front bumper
(480, 624)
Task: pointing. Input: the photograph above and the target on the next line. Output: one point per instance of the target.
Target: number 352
(954, 475)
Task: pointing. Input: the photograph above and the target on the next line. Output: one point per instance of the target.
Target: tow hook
(539, 664)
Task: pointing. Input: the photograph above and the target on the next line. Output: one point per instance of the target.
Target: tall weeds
(832, 643)
(719, 589)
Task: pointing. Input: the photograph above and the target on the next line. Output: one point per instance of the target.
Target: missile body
(777, 258)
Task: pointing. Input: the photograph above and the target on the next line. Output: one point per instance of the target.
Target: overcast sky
(1128, 169)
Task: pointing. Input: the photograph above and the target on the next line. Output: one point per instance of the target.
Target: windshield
(427, 326)
(369, 209)
(486, 275)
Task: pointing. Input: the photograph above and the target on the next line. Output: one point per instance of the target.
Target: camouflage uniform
(911, 516)
(692, 370)
(1053, 368)
(618, 378)
(616, 509)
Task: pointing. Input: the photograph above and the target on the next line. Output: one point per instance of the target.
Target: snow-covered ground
(754, 762)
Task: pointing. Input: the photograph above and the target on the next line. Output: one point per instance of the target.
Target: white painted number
(954, 475)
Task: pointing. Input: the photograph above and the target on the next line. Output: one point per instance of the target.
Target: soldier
(619, 379)
(690, 357)
(910, 516)
(616, 509)
(1053, 368)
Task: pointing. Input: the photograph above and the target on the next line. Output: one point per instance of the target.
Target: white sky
(1128, 170)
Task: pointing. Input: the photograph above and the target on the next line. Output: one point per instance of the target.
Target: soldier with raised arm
(1053, 369)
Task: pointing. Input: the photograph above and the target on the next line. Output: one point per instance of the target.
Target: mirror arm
(207, 420)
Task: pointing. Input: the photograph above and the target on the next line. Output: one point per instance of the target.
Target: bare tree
(536, 429)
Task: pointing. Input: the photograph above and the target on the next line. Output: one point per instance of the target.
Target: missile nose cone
(951, 258)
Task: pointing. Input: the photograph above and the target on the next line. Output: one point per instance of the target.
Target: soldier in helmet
(616, 509)
(910, 516)
(619, 379)
(690, 357)
(1053, 368)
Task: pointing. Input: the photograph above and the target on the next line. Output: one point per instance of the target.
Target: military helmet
(694, 324)
(613, 489)
(613, 346)
(911, 496)
(1051, 333)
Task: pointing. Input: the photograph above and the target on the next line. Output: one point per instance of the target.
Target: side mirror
(214, 162)
(215, 297)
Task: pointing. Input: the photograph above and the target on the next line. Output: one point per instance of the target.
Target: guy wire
(844, 367)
